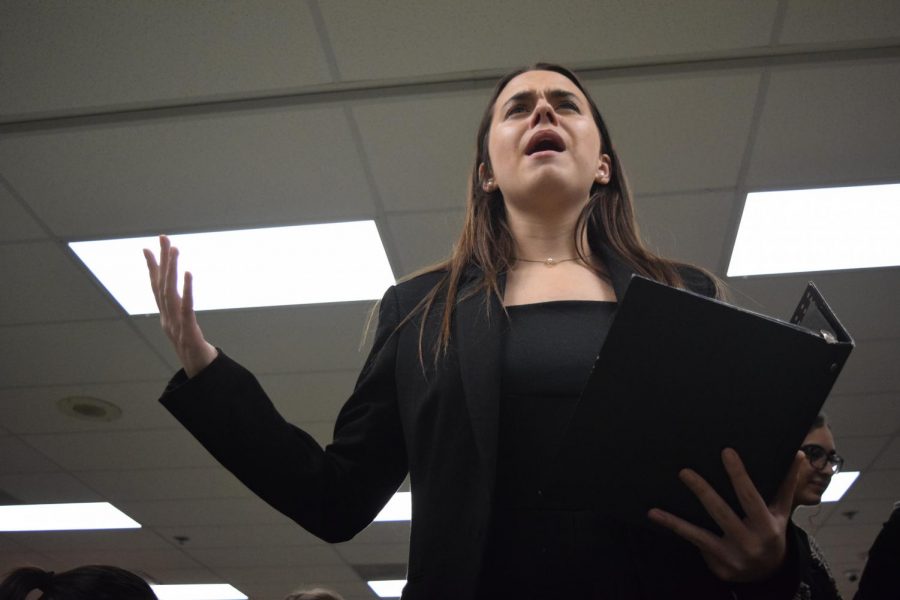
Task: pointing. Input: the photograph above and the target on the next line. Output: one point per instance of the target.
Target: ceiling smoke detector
(88, 408)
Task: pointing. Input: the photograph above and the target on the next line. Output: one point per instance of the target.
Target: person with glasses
(821, 464)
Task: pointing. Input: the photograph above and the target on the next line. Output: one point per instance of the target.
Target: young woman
(822, 462)
(476, 367)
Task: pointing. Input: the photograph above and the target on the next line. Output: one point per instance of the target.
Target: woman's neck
(550, 234)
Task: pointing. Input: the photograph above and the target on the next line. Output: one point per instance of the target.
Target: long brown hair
(486, 242)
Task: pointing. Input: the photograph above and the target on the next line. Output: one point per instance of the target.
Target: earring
(489, 185)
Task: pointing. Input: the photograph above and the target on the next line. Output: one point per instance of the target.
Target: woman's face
(812, 482)
(543, 142)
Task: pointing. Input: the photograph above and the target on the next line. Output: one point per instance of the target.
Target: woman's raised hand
(749, 549)
(176, 313)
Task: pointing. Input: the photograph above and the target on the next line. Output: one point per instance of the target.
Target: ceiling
(128, 118)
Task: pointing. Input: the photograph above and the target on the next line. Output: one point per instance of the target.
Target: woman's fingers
(705, 540)
(164, 246)
(784, 499)
(717, 508)
(753, 504)
(171, 298)
(188, 318)
(153, 269)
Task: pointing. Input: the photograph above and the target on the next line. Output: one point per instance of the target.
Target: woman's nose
(543, 112)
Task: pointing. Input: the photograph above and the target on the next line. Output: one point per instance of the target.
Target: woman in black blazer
(476, 366)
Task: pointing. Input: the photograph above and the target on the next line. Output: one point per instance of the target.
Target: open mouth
(545, 141)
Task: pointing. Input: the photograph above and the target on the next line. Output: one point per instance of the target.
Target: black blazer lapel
(478, 333)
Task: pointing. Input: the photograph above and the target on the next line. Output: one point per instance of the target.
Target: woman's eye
(568, 105)
(515, 109)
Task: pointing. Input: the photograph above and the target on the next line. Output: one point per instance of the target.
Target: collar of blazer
(477, 335)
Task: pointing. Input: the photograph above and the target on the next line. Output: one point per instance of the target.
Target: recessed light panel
(199, 591)
(824, 229)
(388, 588)
(305, 264)
(398, 508)
(62, 517)
(839, 485)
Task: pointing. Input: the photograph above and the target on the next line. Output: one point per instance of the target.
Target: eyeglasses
(818, 457)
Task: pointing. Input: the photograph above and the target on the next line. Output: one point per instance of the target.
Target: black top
(544, 538)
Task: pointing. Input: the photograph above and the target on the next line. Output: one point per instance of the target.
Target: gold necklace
(549, 261)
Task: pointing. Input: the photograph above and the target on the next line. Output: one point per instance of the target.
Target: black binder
(680, 377)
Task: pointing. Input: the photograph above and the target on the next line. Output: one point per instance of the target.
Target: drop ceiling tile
(424, 238)
(132, 559)
(254, 168)
(865, 512)
(36, 409)
(48, 488)
(859, 452)
(14, 558)
(16, 456)
(302, 574)
(877, 485)
(864, 300)
(890, 457)
(855, 534)
(227, 536)
(420, 148)
(827, 125)
(49, 542)
(690, 228)
(193, 512)
(846, 555)
(277, 340)
(45, 284)
(812, 21)
(863, 414)
(15, 222)
(374, 554)
(95, 450)
(679, 132)
(81, 352)
(404, 42)
(871, 368)
(102, 55)
(267, 556)
(165, 483)
(180, 576)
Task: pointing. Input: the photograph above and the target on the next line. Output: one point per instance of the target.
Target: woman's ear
(486, 179)
(604, 170)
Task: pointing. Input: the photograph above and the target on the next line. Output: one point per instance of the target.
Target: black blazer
(438, 424)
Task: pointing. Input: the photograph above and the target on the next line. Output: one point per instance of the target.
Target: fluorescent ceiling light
(388, 588)
(818, 230)
(201, 591)
(398, 508)
(839, 485)
(305, 264)
(61, 517)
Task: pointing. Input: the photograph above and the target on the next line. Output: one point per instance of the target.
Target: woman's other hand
(176, 313)
(749, 549)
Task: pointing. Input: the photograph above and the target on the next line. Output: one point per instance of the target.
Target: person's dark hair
(821, 421)
(314, 594)
(486, 241)
(91, 582)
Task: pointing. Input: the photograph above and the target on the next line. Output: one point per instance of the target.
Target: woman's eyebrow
(531, 94)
